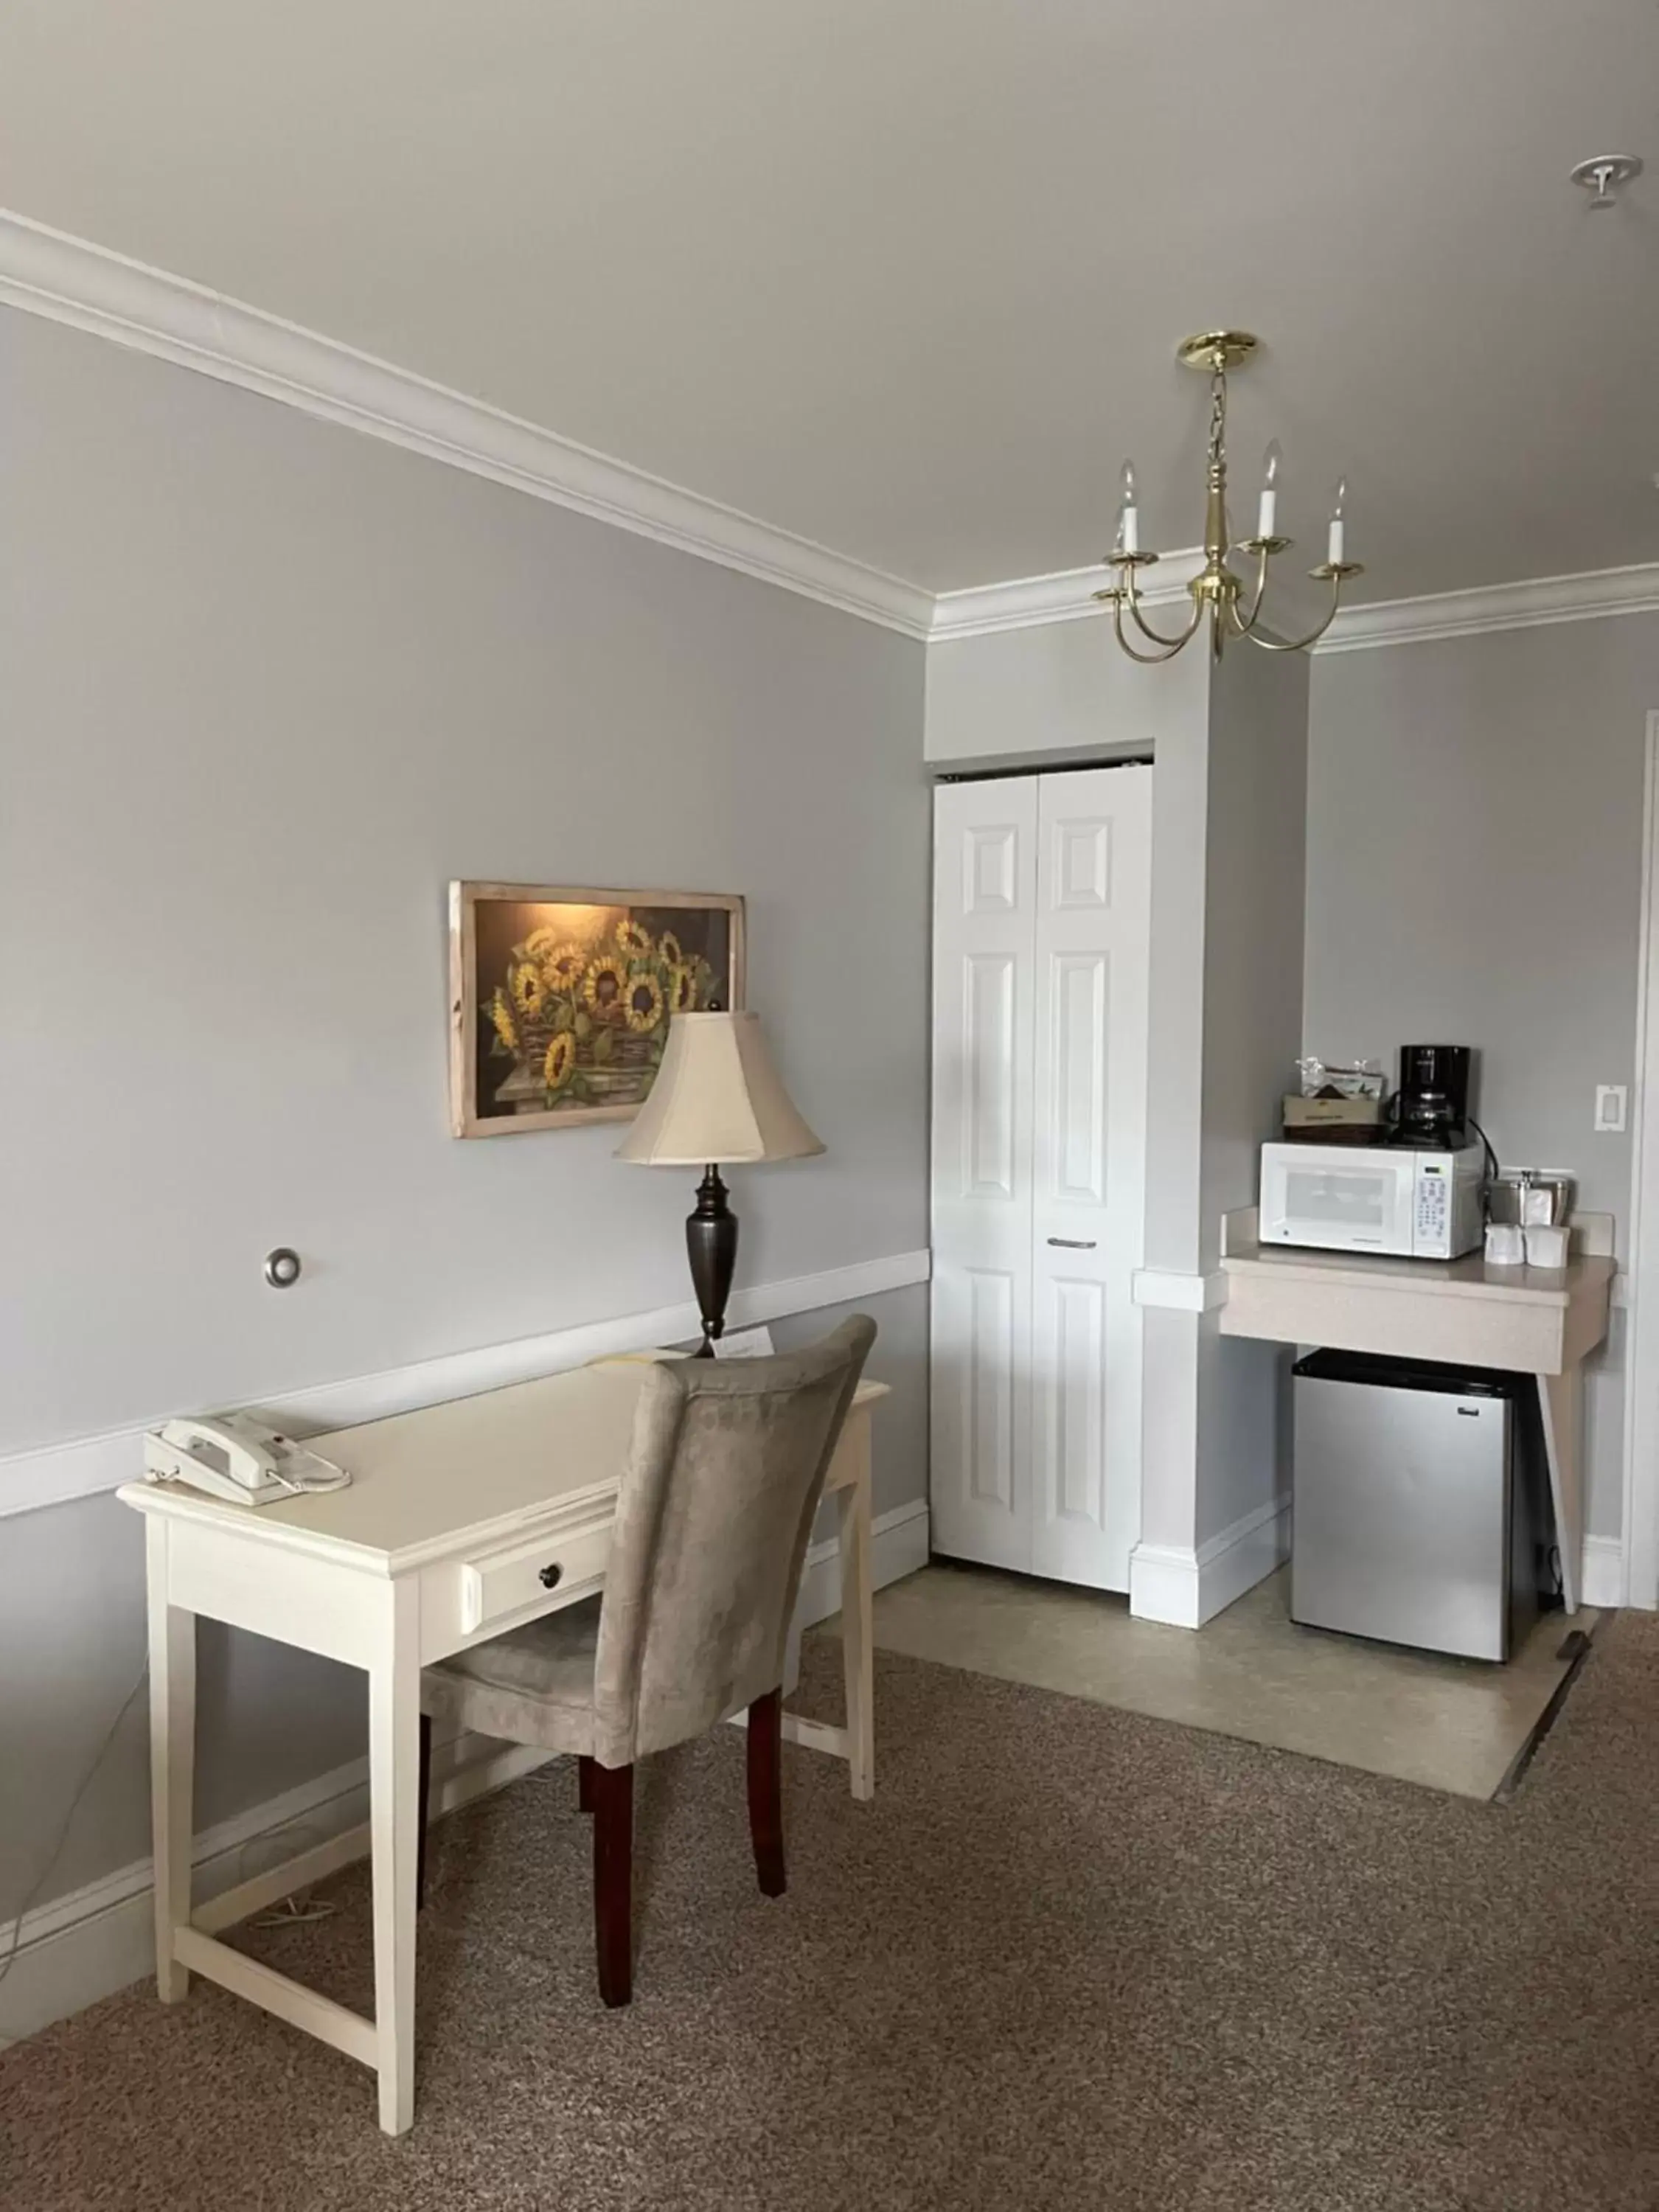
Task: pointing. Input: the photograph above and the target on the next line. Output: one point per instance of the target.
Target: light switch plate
(1610, 1107)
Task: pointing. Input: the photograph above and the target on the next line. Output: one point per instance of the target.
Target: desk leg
(1561, 1401)
(857, 1620)
(394, 1761)
(171, 1759)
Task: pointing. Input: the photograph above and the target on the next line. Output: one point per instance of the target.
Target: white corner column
(1173, 1578)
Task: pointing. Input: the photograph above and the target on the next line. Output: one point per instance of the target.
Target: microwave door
(1349, 1208)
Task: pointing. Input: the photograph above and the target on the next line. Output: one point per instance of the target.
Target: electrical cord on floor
(62, 1836)
(298, 1909)
(295, 1912)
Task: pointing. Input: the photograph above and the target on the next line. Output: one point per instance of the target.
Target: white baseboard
(898, 1545)
(99, 1938)
(1185, 1587)
(1602, 1576)
(53, 1473)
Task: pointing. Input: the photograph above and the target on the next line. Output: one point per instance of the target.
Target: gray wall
(1175, 1034)
(1474, 860)
(1055, 688)
(268, 686)
(1254, 896)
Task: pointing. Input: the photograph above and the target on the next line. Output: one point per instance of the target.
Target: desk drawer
(536, 1573)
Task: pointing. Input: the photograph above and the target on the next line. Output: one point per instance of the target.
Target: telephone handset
(233, 1456)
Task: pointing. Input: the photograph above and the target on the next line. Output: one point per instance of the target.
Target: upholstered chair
(718, 1498)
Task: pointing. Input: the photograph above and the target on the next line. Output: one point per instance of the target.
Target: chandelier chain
(1217, 416)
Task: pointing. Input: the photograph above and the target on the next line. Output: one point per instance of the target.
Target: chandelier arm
(1156, 637)
(1169, 647)
(1244, 624)
(1301, 644)
(1172, 645)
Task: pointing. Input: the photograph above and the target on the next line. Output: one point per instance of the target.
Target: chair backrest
(716, 1508)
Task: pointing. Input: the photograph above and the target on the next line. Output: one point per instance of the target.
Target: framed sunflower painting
(560, 1000)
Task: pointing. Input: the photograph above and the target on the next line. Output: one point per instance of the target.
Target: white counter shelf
(1536, 1320)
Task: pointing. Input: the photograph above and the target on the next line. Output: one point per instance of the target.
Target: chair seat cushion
(534, 1685)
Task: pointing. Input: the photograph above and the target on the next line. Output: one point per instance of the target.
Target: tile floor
(1452, 1724)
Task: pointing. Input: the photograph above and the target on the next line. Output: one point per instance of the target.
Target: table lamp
(717, 1100)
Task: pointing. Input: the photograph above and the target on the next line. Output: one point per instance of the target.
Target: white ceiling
(904, 275)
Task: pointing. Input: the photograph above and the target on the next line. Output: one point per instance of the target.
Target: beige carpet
(1071, 1957)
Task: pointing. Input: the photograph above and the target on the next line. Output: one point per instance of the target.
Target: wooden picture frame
(532, 964)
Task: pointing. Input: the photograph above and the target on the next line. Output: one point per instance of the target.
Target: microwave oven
(1411, 1204)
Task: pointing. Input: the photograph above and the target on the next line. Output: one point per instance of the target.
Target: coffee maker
(1431, 1109)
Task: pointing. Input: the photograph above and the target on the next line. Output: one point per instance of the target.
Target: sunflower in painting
(560, 1061)
(563, 965)
(605, 982)
(642, 1002)
(528, 990)
(576, 1018)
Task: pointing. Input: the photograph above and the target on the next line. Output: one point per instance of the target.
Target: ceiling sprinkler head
(1602, 176)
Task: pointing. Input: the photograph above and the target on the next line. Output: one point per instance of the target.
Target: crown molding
(1524, 605)
(46, 272)
(1031, 602)
(67, 280)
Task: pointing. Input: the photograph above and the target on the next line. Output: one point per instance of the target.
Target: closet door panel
(985, 894)
(1093, 911)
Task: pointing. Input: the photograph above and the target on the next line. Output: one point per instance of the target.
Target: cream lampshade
(717, 1099)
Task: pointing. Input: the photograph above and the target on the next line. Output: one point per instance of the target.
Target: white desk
(1535, 1321)
(440, 1542)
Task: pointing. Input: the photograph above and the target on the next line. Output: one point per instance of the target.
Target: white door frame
(1639, 1579)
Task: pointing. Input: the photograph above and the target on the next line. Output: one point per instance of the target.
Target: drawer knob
(549, 1576)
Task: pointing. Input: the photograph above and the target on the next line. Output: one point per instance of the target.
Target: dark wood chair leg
(584, 1784)
(424, 1793)
(612, 1788)
(766, 1790)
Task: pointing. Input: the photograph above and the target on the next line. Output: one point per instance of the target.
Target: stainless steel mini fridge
(1416, 1489)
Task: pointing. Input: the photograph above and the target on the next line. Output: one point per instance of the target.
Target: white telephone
(233, 1456)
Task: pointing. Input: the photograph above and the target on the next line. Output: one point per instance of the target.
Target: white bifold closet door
(1042, 898)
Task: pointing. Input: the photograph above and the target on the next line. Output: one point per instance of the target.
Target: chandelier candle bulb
(1333, 553)
(1268, 513)
(1128, 518)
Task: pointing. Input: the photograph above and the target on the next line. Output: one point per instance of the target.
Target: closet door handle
(1074, 1243)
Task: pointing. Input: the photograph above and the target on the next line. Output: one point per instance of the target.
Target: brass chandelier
(1234, 607)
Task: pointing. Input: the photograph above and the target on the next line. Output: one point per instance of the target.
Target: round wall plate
(1213, 349)
(1604, 173)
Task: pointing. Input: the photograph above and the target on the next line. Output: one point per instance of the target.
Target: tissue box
(1337, 1120)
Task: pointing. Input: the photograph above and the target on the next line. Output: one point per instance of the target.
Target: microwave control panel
(1433, 1212)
